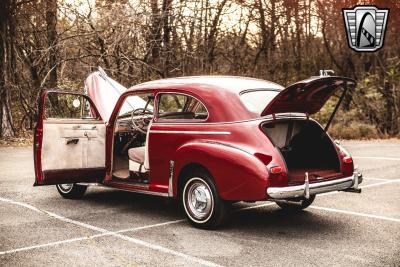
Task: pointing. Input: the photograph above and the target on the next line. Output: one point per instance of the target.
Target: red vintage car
(208, 141)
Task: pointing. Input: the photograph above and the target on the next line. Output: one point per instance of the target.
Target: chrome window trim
(189, 132)
(259, 89)
(263, 118)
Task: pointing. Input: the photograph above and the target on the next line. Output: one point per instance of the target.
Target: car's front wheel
(72, 191)
(201, 202)
(296, 205)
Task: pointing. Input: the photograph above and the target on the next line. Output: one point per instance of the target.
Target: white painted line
(380, 179)
(324, 194)
(135, 229)
(117, 233)
(89, 237)
(121, 236)
(384, 158)
(257, 206)
(50, 244)
(377, 184)
(357, 214)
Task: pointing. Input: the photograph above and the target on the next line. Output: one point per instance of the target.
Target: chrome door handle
(72, 141)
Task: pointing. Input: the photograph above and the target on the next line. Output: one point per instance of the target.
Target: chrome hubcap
(198, 199)
(65, 188)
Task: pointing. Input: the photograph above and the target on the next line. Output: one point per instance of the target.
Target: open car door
(69, 140)
(309, 96)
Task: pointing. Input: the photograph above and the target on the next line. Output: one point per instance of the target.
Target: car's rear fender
(238, 175)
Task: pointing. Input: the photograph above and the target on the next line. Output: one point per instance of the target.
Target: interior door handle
(72, 141)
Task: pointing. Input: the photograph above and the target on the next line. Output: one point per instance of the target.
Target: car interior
(131, 132)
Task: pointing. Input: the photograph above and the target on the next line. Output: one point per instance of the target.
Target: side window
(136, 103)
(180, 107)
(68, 106)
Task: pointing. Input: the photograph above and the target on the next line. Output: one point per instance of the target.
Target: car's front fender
(238, 175)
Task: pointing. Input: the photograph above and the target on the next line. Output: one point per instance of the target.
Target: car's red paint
(307, 96)
(229, 144)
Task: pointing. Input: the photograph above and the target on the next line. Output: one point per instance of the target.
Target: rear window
(256, 101)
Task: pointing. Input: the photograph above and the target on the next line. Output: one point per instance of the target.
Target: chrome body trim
(307, 189)
(110, 186)
(170, 179)
(189, 132)
(141, 191)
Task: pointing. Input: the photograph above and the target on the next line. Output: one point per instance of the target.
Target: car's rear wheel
(71, 190)
(296, 205)
(201, 202)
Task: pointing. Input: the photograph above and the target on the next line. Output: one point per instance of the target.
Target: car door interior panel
(81, 144)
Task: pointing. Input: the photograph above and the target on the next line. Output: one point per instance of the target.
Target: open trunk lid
(307, 96)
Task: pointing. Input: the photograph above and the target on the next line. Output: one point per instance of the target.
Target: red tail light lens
(276, 169)
(347, 159)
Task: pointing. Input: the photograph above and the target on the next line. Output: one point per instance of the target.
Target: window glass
(67, 106)
(257, 101)
(177, 106)
(136, 102)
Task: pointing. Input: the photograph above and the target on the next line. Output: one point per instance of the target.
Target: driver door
(69, 140)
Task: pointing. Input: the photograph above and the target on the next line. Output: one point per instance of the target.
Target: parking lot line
(109, 233)
(381, 179)
(385, 158)
(324, 194)
(104, 232)
(51, 244)
(257, 206)
(90, 237)
(357, 214)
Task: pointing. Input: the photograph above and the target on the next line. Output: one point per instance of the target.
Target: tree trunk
(6, 126)
(166, 8)
(51, 22)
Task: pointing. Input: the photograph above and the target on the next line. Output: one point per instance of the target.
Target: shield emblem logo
(365, 26)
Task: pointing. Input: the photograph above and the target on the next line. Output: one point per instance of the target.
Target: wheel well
(186, 170)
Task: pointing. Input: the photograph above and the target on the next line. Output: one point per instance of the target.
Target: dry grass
(355, 130)
(23, 139)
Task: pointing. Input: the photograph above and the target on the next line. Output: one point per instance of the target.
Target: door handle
(72, 141)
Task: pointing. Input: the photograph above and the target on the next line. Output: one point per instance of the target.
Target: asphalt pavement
(117, 228)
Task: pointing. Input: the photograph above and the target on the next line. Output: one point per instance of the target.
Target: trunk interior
(305, 148)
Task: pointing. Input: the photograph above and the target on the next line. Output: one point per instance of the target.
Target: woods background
(50, 43)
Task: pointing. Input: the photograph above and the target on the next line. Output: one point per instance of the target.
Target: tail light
(276, 169)
(347, 159)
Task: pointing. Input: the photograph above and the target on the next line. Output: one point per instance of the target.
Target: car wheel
(201, 202)
(300, 205)
(71, 190)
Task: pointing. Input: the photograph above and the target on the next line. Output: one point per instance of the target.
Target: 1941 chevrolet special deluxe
(208, 141)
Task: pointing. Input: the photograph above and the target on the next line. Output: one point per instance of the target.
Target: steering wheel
(141, 118)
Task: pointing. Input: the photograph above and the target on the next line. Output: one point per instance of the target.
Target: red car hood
(105, 93)
(307, 96)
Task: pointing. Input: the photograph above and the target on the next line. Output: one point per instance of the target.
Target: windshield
(256, 101)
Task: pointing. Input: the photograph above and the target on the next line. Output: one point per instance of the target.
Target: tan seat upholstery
(137, 154)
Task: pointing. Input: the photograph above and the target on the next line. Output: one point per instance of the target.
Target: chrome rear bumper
(307, 189)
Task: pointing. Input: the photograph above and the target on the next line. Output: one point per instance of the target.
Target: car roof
(220, 94)
(230, 83)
